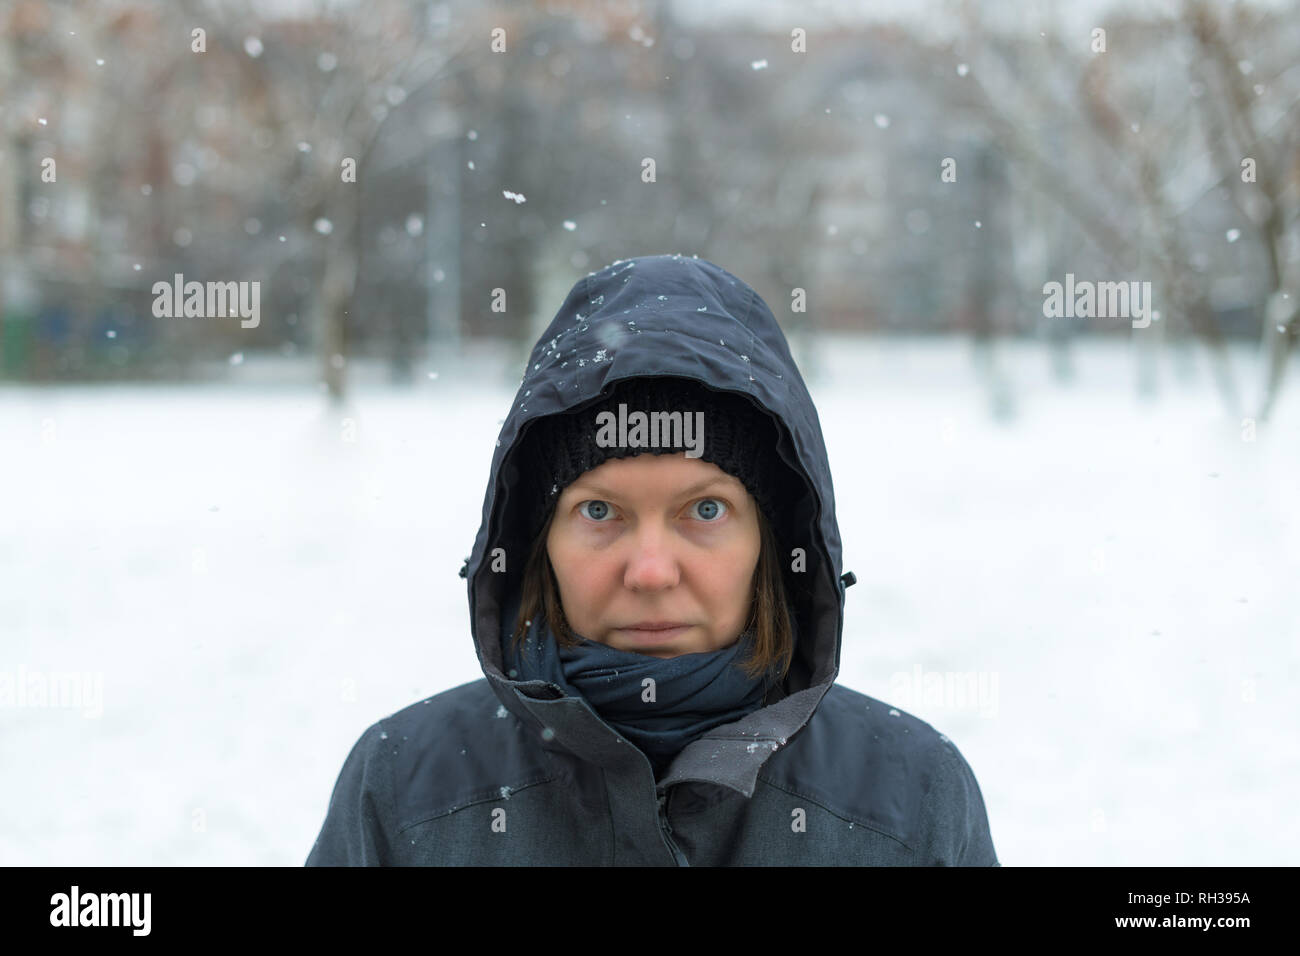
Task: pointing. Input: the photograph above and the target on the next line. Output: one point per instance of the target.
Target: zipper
(667, 831)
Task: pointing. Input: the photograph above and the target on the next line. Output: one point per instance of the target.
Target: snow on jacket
(493, 773)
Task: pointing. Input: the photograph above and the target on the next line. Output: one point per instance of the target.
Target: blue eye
(600, 509)
(710, 508)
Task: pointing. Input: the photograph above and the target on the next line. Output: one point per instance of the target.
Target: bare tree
(1142, 151)
(327, 113)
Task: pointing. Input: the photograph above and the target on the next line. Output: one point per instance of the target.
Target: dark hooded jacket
(504, 772)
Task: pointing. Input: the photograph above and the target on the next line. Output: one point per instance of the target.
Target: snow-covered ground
(255, 581)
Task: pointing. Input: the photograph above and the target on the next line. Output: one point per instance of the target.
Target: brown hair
(769, 617)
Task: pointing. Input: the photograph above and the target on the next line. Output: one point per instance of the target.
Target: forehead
(669, 473)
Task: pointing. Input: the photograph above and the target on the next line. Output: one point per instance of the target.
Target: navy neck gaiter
(693, 693)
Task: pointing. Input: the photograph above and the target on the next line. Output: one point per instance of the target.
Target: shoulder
(882, 767)
(431, 723)
(453, 711)
(454, 749)
(426, 760)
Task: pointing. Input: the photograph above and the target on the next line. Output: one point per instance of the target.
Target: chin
(649, 651)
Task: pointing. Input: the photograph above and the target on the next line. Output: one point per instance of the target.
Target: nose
(652, 564)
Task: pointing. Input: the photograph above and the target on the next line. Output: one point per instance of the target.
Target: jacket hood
(668, 315)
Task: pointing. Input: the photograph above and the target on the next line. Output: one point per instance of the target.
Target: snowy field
(255, 582)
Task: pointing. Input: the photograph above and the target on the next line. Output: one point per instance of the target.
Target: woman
(656, 602)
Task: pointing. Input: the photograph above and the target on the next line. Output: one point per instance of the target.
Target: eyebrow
(698, 486)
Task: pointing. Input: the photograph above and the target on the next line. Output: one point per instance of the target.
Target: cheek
(580, 572)
(729, 576)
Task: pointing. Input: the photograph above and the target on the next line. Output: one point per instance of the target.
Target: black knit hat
(736, 436)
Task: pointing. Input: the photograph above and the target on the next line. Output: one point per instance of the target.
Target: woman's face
(655, 540)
